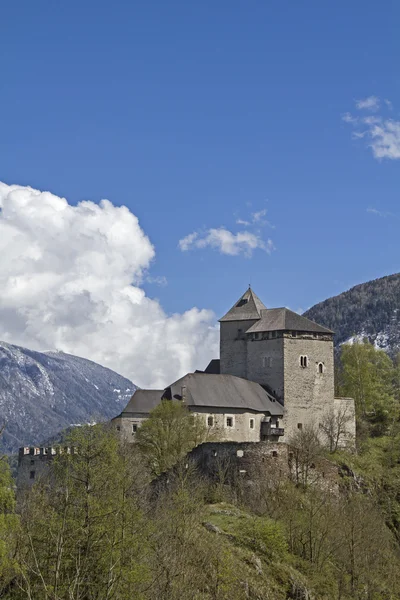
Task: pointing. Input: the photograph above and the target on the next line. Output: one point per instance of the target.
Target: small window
(118, 428)
(32, 475)
(32, 462)
(267, 362)
(134, 428)
(210, 421)
(299, 425)
(251, 423)
(274, 454)
(321, 368)
(294, 333)
(274, 334)
(229, 421)
(303, 361)
(257, 336)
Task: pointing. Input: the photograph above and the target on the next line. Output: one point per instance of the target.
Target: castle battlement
(45, 451)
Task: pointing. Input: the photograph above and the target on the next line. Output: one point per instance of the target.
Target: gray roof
(213, 367)
(225, 391)
(143, 401)
(276, 319)
(248, 307)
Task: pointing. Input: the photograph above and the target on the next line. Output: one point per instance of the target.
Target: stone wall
(308, 394)
(128, 424)
(266, 372)
(345, 412)
(33, 463)
(233, 348)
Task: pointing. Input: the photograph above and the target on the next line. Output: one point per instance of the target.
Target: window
(274, 334)
(299, 425)
(134, 428)
(267, 362)
(32, 462)
(274, 454)
(229, 421)
(251, 423)
(303, 361)
(210, 421)
(321, 368)
(32, 475)
(294, 333)
(257, 336)
(118, 428)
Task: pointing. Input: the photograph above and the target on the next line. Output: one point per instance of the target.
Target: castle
(275, 375)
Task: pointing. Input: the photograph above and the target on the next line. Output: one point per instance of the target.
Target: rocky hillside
(43, 393)
(369, 310)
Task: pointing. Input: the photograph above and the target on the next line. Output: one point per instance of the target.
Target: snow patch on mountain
(42, 393)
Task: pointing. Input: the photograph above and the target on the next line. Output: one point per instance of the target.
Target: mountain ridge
(368, 310)
(42, 393)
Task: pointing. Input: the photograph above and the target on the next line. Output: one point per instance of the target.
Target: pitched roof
(213, 367)
(143, 401)
(276, 319)
(225, 391)
(249, 306)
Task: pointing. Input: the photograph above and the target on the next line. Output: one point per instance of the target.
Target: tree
(169, 433)
(335, 427)
(367, 376)
(305, 449)
(83, 529)
(8, 528)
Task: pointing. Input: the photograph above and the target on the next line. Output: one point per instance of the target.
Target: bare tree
(305, 449)
(335, 427)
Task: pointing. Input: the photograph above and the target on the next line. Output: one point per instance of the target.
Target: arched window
(210, 421)
(304, 361)
(321, 368)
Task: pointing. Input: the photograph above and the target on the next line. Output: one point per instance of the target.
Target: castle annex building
(275, 375)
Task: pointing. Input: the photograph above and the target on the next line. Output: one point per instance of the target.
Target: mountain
(370, 310)
(42, 393)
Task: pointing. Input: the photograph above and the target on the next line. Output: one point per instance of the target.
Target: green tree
(8, 528)
(83, 529)
(169, 433)
(367, 376)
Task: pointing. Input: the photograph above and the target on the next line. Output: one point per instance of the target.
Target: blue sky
(196, 115)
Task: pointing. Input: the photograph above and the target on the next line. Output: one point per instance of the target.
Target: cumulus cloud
(381, 133)
(226, 242)
(71, 279)
(370, 103)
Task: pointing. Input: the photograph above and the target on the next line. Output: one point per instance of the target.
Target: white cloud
(160, 280)
(370, 103)
(348, 118)
(380, 213)
(243, 222)
(259, 216)
(70, 279)
(226, 242)
(383, 134)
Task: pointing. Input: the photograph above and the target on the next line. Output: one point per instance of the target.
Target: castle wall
(308, 394)
(263, 371)
(233, 348)
(127, 425)
(345, 414)
(241, 430)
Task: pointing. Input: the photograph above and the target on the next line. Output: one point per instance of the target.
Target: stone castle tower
(289, 355)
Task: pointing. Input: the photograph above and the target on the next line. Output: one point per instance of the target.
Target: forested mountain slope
(43, 393)
(369, 310)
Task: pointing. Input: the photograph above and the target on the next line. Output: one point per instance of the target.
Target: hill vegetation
(370, 310)
(99, 529)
